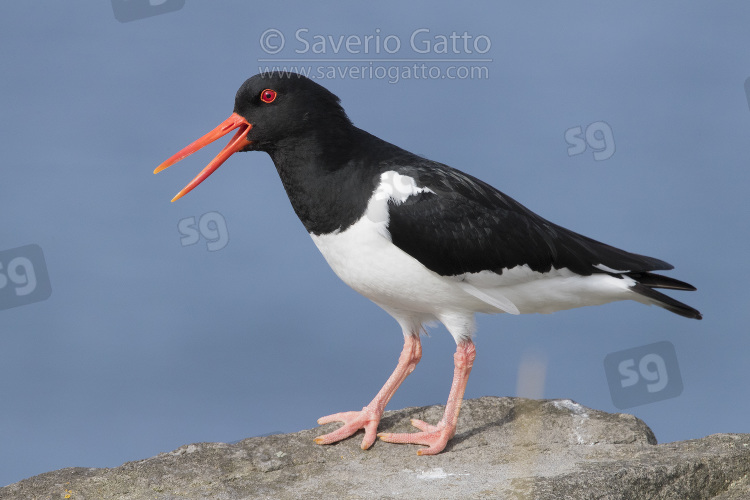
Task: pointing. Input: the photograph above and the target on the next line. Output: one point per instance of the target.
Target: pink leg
(369, 418)
(437, 436)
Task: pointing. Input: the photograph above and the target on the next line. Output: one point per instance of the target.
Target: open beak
(238, 142)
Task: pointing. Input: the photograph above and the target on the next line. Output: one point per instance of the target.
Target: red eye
(268, 95)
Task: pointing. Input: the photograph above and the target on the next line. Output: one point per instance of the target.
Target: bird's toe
(366, 419)
(435, 437)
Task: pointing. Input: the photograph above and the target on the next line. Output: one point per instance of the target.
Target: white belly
(364, 257)
(366, 260)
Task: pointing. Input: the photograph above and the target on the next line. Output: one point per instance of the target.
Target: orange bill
(238, 143)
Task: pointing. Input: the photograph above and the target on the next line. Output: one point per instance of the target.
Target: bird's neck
(328, 177)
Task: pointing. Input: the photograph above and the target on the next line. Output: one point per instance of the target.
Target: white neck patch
(397, 187)
(393, 187)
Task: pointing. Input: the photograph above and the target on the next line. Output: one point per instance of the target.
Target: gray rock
(509, 448)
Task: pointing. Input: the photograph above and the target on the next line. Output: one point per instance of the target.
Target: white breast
(364, 257)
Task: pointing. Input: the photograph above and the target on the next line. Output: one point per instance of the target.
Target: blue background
(145, 345)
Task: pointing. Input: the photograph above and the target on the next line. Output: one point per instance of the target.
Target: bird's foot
(433, 436)
(367, 419)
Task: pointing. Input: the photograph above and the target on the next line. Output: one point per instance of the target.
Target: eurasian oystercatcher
(422, 240)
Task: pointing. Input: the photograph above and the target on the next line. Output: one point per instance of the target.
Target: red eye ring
(268, 96)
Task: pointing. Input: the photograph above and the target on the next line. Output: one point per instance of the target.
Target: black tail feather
(652, 280)
(666, 301)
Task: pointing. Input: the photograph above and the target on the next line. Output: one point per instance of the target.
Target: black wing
(465, 226)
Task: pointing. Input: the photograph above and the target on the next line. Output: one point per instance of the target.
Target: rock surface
(505, 448)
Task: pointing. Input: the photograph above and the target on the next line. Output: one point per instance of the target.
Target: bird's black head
(281, 106)
(269, 109)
